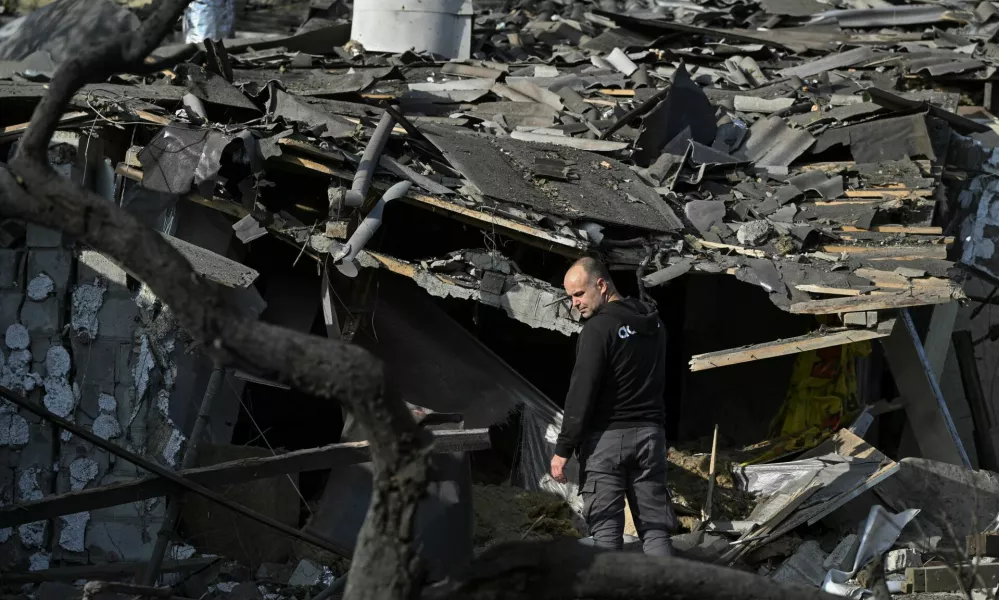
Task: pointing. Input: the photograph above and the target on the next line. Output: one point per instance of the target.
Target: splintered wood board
(804, 343)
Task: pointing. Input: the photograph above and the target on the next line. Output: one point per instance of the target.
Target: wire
(260, 432)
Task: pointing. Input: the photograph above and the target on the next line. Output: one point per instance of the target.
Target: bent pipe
(348, 264)
(369, 161)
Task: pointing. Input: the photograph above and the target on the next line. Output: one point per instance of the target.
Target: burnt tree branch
(385, 563)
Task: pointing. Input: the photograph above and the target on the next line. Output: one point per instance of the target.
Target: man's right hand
(558, 468)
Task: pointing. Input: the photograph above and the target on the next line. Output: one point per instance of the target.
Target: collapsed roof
(801, 147)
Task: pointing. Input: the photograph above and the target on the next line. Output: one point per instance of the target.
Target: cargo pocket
(587, 489)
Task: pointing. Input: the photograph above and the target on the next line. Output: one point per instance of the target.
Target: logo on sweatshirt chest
(625, 332)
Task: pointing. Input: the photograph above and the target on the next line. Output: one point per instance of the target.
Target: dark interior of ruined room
(416, 335)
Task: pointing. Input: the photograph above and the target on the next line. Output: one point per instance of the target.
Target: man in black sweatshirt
(614, 413)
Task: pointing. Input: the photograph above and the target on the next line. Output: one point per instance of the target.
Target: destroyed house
(816, 225)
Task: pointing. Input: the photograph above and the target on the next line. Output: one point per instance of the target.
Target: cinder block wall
(93, 346)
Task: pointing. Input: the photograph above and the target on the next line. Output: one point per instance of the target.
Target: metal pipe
(152, 571)
(369, 160)
(346, 261)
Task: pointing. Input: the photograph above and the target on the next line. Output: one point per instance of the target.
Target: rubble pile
(838, 155)
(687, 480)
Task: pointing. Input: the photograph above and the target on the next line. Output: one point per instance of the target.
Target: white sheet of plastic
(537, 446)
(877, 536)
(209, 19)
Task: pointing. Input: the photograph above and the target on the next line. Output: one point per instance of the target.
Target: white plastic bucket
(443, 27)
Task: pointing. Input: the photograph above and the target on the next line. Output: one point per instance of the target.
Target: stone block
(95, 362)
(43, 318)
(899, 560)
(56, 263)
(93, 264)
(804, 567)
(117, 318)
(10, 269)
(43, 237)
(842, 557)
(10, 306)
(306, 574)
(124, 533)
(38, 452)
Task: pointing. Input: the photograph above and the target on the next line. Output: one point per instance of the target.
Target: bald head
(589, 286)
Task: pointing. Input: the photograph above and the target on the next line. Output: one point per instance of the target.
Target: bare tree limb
(566, 570)
(385, 564)
(117, 55)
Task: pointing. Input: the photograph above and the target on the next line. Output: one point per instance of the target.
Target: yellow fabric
(822, 393)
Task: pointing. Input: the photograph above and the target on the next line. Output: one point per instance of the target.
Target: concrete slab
(948, 495)
(804, 567)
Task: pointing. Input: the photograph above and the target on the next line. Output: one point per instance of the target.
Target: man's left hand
(558, 468)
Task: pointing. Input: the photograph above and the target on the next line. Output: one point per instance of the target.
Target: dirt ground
(505, 513)
(688, 484)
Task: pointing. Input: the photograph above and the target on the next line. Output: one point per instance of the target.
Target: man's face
(587, 294)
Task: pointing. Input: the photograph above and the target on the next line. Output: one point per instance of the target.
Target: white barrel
(443, 27)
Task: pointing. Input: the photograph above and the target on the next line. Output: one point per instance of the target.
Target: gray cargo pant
(627, 462)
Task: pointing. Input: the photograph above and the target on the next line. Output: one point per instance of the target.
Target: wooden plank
(897, 229)
(305, 163)
(888, 193)
(891, 279)
(12, 132)
(821, 289)
(894, 252)
(237, 471)
(543, 238)
(399, 267)
(307, 148)
(849, 165)
(736, 249)
(872, 302)
(804, 343)
(478, 218)
(617, 92)
(152, 118)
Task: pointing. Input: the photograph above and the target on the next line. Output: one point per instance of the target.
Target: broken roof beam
(921, 297)
(12, 132)
(228, 473)
(795, 345)
(527, 233)
(523, 298)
